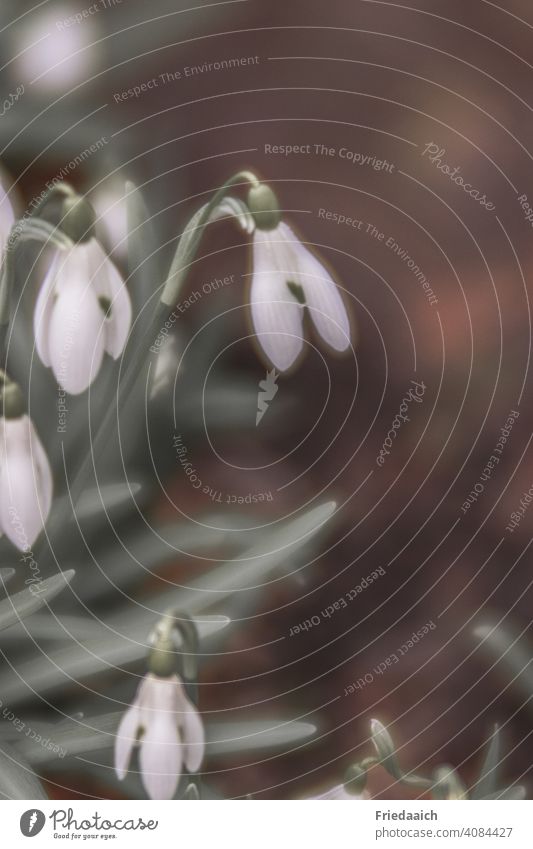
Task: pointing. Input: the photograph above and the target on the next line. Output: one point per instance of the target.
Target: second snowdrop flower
(162, 720)
(286, 278)
(169, 732)
(83, 310)
(25, 474)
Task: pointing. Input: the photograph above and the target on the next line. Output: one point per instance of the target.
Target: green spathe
(263, 205)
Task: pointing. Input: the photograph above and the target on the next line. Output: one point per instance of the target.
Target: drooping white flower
(286, 278)
(25, 482)
(169, 731)
(83, 310)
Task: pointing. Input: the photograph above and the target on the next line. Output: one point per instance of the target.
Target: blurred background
(383, 101)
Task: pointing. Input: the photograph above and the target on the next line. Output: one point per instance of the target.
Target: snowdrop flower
(169, 731)
(82, 311)
(286, 278)
(25, 474)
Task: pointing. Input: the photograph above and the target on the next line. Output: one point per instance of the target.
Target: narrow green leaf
(69, 738)
(100, 499)
(447, 784)
(487, 782)
(514, 794)
(124, 642)
(143, 270)
(73, 737)
(258, 562)
(225, 738)
(191, 793)
(385, 748)
(514, 654)
(5, 575)
(143, 553)
(28, 601)
(17, 779)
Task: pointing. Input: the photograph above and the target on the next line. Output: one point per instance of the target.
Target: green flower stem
(162, 656)
(141, 348)
(57, 189)
(192, 235)
(160, 315)
(25, 230)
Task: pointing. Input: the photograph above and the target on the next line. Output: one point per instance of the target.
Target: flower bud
(77, 218)
(263, 205)
(448, 785)
(12, 401)
(162, 660)
(355, 780)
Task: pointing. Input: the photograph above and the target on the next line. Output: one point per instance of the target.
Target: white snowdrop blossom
(286, 278)
(169, 731)
(82, 311)
(25, 482)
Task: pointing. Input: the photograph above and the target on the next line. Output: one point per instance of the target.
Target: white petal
(76, 338)
(161, 757)
(108, 283)
(125, 740)
(193, 736)
(276, 314)
(7, 218)
(322, 295)
(25, 482)
(43, 311)
(43, 472)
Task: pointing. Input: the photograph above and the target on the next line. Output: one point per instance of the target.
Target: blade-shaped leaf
(124, 642)
(513, 652)
(232, 737)
(385, 748)
(143, 270)
(5, 575)
(253, 567)
(488, 777)
(22, 604)
(143, 553)
(73, 737)
(513, 794)
(386, 752)
(17, 779)
(107, 497)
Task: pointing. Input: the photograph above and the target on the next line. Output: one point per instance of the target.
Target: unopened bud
(12, 401)
(263, 205)
(77, 218)
(162, 660)
(355, 780)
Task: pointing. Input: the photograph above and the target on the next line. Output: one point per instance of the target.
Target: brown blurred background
(381, 80)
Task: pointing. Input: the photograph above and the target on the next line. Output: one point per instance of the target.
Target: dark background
(382, 80)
